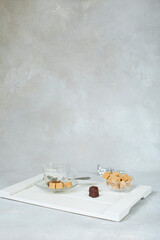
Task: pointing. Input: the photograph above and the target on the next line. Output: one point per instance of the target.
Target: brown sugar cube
(120, 176)
(116, 179)
(112, 175)
(110, 178)
(129, 178)
(115, 185)
(116, 173)
(52, 185)
(122, 184)
(112, 184)
(59, 185)
(124, 177)
(68, 184)
(105, 175)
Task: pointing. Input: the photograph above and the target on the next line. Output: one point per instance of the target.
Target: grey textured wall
(80, 82)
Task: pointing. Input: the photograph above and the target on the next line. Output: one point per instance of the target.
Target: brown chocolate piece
(93, 192)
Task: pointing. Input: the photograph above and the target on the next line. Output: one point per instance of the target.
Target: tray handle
(119, 210)
(13, 189)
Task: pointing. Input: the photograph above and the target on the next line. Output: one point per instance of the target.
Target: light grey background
(80, 82)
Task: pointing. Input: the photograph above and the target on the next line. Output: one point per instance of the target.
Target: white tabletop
(24, 221)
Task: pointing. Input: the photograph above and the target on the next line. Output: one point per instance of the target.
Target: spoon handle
(82, 178)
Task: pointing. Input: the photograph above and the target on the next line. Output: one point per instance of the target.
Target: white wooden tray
(109, 205)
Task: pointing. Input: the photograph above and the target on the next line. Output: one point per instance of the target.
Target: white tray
(109, 205)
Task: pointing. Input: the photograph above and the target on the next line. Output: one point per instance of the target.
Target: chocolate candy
(93, 192)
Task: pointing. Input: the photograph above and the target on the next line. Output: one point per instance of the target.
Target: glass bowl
(120, 181)
(119, 186)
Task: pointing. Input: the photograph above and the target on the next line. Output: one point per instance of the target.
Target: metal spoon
(82, 178)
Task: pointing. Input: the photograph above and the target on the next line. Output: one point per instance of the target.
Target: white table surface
(27, 222)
